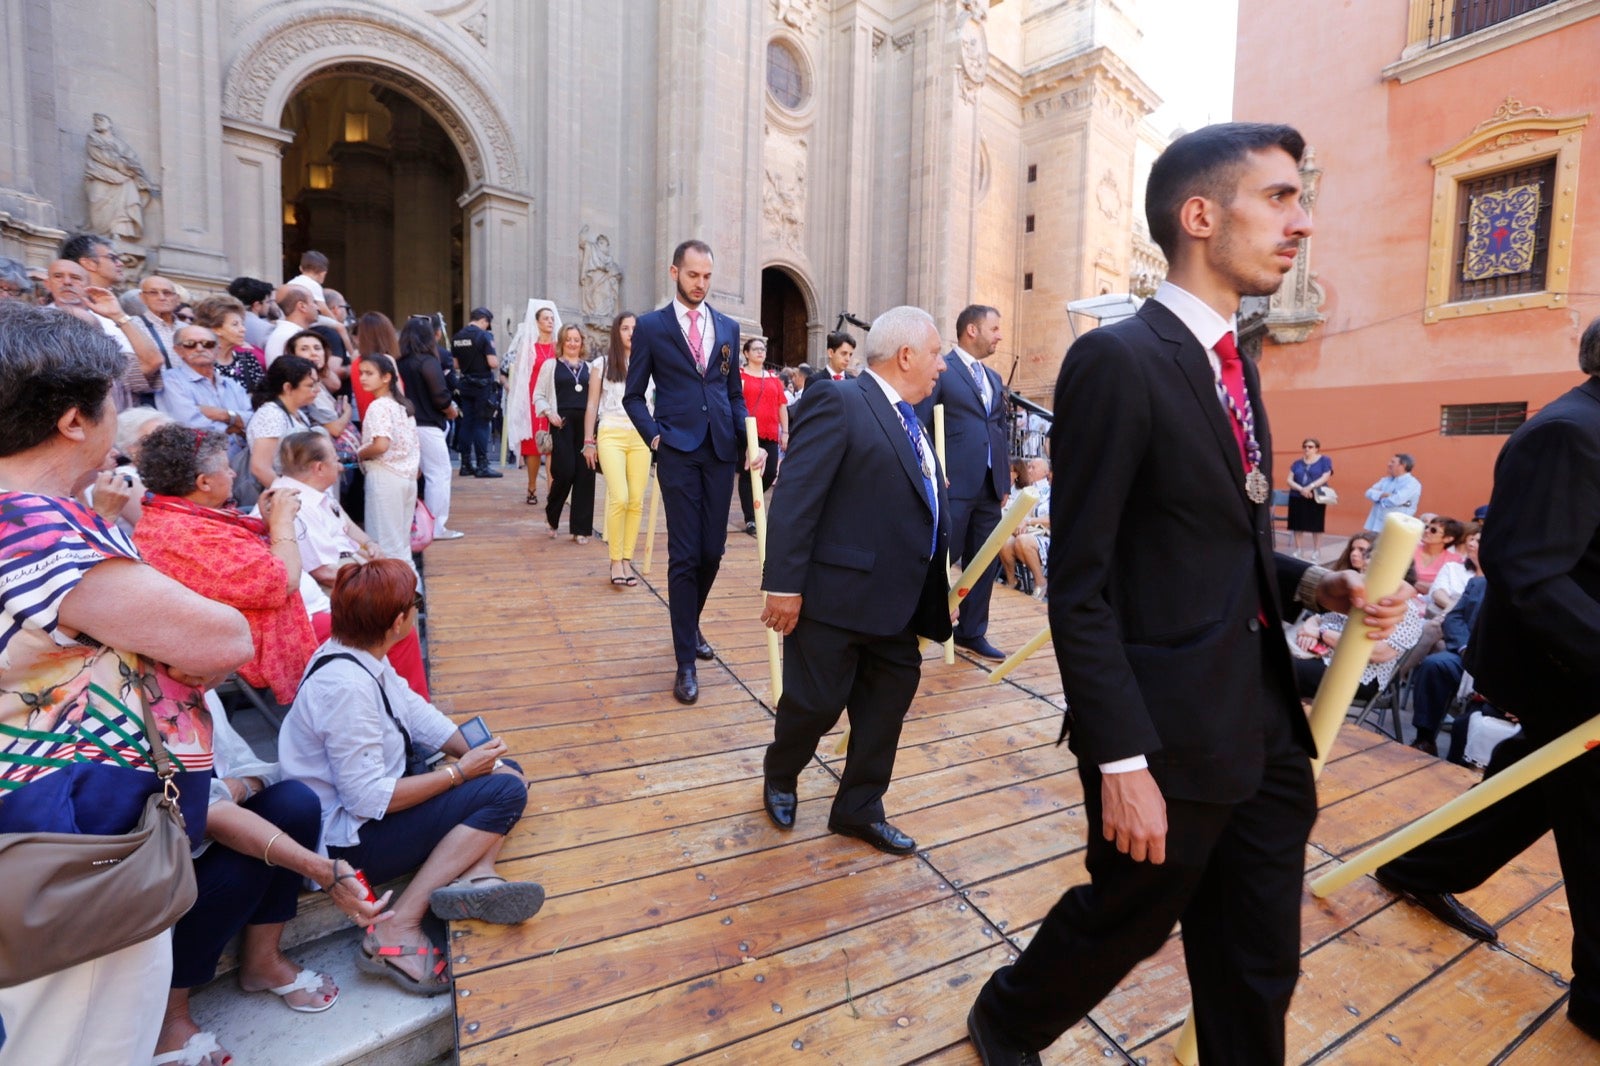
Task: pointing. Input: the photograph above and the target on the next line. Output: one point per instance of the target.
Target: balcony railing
(1436, 21)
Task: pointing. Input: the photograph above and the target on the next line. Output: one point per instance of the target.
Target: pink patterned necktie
(696, 349)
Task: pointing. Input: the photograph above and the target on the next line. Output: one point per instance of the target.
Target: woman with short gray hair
(81, 616)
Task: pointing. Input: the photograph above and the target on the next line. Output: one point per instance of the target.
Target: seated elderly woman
(329, 540)
(261, 840)
(1030, 544)
(1318, 635)
(360, 738)
(83, 622)
(189, 533)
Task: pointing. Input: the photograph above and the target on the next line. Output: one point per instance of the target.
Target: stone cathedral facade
(838, 155)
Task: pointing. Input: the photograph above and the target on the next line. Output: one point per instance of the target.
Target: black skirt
(1306, 516)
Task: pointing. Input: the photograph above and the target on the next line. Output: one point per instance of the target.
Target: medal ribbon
(1230, 390)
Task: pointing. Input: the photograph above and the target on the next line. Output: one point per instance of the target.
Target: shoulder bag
(72, 897)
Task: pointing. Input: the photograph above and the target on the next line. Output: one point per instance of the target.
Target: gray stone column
(252, 197)
(188, 65)
(498, 222)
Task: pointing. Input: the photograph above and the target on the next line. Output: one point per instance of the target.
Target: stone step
(316, 918)
(373, 1023)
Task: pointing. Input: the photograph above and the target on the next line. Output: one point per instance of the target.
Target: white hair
(131, 423)
(897, 328)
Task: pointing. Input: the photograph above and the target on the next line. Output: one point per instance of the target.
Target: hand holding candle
(760, 506)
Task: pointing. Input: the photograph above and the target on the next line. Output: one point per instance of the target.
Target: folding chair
(1392, 696)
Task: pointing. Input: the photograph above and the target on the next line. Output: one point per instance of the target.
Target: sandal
(633, 575)
(377, 959)
(618, 579)
(195, 1051)
(554, 532)
(488, 899)
(304, 981)
(533, 498)
(578, 538)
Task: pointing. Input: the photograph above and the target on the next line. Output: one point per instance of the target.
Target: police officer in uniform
(475, 359)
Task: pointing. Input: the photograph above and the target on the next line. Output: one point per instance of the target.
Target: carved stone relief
(783, 205)
(973, 69)
(798, 15)
(1295, 309)
(599, 276)
(1108, 197)
(115, 182)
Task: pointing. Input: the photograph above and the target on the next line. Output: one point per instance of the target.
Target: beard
(688, 301)
(1249, 280)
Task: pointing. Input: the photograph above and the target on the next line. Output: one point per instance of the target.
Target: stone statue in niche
(599, 277)
(117, 187)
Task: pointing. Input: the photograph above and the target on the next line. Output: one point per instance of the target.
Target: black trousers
(569, 473)
(696, 489)
(1567, 801)
(827, 670)
(472, 428)
(1233, 877)
(768, 472)
(971, 522)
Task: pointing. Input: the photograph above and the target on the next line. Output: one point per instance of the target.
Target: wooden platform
(682, 926)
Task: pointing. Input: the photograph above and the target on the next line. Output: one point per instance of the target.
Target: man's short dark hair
(249, 290)
(690, 246)
(1207, 163)
(82, 246)
(841, 337)
(973, 315)
(310, 261)
(1406, 460)
(50, 363)
(1589, 349)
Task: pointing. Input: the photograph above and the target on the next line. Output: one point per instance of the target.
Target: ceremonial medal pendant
(1257, 487)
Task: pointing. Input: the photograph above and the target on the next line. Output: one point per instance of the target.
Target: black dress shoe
(702, 650)
(779, 805)
(484, 471)
(981, 648)
(686, 688)
(1445, 907)
(992, 1047)
(880, 835)
(750, 528)
(1584, 1018)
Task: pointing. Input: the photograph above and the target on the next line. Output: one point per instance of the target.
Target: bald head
(296, 305)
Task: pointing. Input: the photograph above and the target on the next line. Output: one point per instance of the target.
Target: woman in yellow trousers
(624, 456)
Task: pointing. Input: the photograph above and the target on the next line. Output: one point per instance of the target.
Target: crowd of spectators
(175, 536)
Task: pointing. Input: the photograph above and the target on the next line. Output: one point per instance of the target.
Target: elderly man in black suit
(855, 573)
(697, 432)
(1166, 605)
(977, 449)
(1535, 652)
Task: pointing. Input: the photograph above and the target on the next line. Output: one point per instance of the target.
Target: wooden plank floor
(681, 925)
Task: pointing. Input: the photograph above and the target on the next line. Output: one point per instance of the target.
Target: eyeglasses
(1434, 529)
(417, 602)
(163, 293)
(207, 345)
(185, 318)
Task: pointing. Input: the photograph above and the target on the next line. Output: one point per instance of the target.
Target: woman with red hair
(360, 739)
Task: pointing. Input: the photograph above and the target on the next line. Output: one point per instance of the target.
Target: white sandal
(192, 1053)
(304, 981)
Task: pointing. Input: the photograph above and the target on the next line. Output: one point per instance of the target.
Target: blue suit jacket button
(702, 407)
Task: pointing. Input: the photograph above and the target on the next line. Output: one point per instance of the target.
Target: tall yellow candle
(1022, 501)
(1017, 657)
(1524, 771)
(938, 449)
(650, 531)
(753, 445)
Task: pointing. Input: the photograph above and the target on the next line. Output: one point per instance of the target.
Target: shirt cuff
(1125, 766)
(1305, 593)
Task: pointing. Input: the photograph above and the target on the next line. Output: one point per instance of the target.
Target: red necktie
(1233, 382)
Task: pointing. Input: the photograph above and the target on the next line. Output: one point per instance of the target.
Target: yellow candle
(1022, 501)
(650, 532)
(938, 449)
(1524, 771)
(1391, 556)
(752, 444)
(1018, 656)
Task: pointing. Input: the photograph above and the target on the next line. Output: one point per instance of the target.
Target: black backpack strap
(387, 709)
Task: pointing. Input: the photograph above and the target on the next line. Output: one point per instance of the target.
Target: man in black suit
(855, 574)
(697, 431)
(977, 450)
(841, 351)
(1166, 605)
(1535, 653)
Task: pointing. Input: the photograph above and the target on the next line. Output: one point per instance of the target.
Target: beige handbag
(73, 897)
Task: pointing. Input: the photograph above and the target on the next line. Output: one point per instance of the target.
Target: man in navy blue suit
(977, 454)
(696, 429)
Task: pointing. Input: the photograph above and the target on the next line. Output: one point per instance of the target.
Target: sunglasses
(207, 345)
(417, 603)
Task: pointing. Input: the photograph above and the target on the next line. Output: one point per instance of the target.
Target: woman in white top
(358, 737)
(281, 400)
(610, 439)
(390, 455)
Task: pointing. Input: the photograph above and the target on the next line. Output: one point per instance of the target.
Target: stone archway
(281, 53)
(788, 315)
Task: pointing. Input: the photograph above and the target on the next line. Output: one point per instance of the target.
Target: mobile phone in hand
(475, 732)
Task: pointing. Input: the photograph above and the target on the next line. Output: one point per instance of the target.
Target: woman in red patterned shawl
(252, 564)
